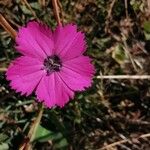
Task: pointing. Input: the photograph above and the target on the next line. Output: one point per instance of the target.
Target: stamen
(52, 63)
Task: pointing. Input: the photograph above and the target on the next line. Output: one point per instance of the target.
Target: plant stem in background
(3, 69)
(33, 129)
(136, 77)
(7, 27)
(111, 146)
(56, 11)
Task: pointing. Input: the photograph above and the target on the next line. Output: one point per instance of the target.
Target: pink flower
(52, 63)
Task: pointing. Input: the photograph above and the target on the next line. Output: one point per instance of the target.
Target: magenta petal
(81, 65)
(25, 73)
(53, 91)
(77, 73)
(68, 42)
(35, 40)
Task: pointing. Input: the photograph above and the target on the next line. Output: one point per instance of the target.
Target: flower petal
(53, 91)
(68, 42)
(81, 65)
(77, 73)
(35, 40)
(25, 73)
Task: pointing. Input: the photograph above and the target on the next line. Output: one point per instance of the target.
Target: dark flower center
(52, 63)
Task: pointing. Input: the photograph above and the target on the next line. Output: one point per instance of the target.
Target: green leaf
(119, 55)
(25, 10)
(4, 146)
(147, 35)
(43, 135)
(3, 137)
(147, 26)
(61, 144)
(35, 5)
(136, 5)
